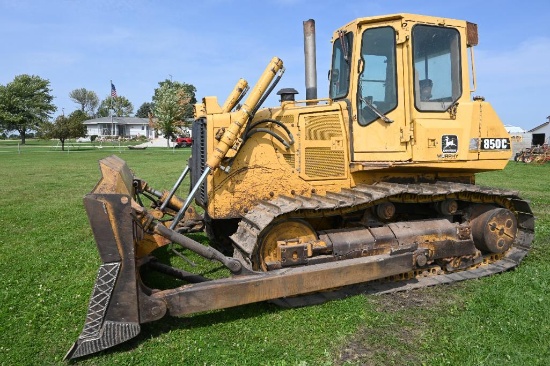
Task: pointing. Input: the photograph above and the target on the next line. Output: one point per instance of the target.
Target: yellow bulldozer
(374, 185)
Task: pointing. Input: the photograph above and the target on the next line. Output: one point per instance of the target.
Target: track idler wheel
(298, 230)
(494, 231)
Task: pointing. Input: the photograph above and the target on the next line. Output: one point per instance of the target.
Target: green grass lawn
(49, 263)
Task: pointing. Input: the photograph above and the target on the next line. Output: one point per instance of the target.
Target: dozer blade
(113, 312)
(113, 315)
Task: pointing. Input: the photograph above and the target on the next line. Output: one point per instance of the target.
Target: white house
(541, 133)
(514, 129)
(119, 126)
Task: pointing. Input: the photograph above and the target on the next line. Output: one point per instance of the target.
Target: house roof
(514, 129)
(118, 121)
(539, 126)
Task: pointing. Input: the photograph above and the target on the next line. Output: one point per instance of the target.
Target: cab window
(341, 59)
(436, 64)
(377, 91)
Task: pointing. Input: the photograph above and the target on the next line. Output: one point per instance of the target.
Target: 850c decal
(495, 144)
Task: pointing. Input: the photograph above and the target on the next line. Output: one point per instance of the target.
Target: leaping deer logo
(449, 142)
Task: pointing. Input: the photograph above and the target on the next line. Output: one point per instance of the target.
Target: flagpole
(111, 109)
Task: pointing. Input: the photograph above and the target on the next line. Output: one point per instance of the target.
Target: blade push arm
(235, 130)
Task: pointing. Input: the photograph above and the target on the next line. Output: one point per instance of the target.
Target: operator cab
(405, 78)
(435, 67)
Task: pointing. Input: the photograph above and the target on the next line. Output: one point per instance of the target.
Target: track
(364, 196)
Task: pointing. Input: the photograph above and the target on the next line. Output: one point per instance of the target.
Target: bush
(140, 138)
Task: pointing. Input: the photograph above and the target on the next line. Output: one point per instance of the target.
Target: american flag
(113, 90)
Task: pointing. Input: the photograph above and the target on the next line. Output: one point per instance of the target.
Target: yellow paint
(425, 140)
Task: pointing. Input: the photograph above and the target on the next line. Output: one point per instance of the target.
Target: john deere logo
(449, 144)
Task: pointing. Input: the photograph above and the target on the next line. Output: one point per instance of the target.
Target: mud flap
(113, 311)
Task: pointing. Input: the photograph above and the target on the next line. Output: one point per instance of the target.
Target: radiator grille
(322, 127)
(322, 162)
(198, 160)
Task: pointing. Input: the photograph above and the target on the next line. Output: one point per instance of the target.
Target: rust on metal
(281, 283)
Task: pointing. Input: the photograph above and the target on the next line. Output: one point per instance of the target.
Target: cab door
(380, 130)
(440, 90)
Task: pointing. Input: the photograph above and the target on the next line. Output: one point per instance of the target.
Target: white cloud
(515, 81)
(527, 63)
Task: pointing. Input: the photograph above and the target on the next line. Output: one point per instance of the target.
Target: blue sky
(213, 43)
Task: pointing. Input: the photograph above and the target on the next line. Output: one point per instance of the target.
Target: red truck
(183, 142)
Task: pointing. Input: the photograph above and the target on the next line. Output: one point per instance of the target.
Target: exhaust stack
(310, 59)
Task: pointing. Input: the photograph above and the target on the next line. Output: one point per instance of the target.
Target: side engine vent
(323, 146)
(286, 119)
(290, 159)
(323, 162)
(322, 127)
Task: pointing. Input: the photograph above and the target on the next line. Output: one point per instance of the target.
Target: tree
(121, 107)
(144, 110)
(64, 128)
(173, 103)
(87, 99)
(25, 103)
